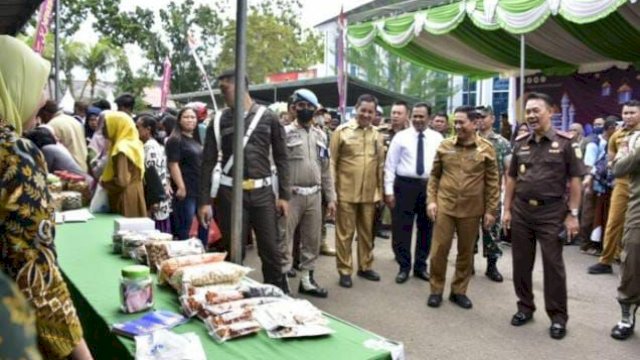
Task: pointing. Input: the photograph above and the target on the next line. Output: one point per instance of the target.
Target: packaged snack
(133, 224)
(136, 289)
(292, 318)
(169, 266)
(232, 331)
(117, 239)
(261, 290)
(159, 251)
(131, 242)
(194, 304)
(208, 274)
(220, 309)
(71, 200)
(57, 201)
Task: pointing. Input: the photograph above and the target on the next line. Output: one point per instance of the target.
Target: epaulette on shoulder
(565, 134)
(523, 136)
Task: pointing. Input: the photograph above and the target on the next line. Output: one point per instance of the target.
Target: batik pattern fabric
(27, 251)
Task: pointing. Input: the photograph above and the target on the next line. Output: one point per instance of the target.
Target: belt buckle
(533, 202)
(248, 184)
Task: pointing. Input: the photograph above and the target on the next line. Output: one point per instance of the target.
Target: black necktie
(420, 162)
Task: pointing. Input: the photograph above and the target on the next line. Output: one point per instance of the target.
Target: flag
(341, 62)
(194, 44)
(44, 20)
(166, 82)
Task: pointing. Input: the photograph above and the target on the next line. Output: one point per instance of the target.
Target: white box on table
(133, 224)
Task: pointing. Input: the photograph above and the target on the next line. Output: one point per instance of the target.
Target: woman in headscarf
(92, 122)
(69, 132)
(124, 171)
(27, 252)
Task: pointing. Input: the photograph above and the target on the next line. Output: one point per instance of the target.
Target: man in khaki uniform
(619, 200)
(308, 157)
(357, 162)
(463, 186)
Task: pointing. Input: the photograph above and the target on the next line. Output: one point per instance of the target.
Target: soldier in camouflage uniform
(502, 148)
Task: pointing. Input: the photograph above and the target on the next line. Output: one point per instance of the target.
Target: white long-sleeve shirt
(402, 156)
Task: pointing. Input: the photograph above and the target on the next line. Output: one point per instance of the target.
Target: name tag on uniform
(555, 151)
(523, 153)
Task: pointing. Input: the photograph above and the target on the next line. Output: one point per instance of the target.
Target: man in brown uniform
(619, 198)
(627, 163)
(357, 162)
(463, 186)
(310, 178)
(535, 209)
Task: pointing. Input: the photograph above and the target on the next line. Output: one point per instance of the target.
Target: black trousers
(542, 224)
(411, 206)
(259, 213)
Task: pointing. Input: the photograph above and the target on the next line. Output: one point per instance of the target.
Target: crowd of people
(452, 175)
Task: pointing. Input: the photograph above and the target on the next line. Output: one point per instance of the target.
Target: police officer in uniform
(310, 178)
(535, 210)
(260, 206)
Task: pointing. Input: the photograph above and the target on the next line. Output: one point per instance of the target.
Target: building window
(469, 91)
(500, 98)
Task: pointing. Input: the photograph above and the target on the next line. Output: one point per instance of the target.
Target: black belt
(540, 202)
(411, 180)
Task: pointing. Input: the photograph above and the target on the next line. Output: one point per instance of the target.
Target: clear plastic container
(136, 289)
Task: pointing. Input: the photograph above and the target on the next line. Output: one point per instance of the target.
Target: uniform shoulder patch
(523, 136)
(565, 134)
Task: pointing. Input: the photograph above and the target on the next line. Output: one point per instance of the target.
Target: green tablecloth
(92, 273)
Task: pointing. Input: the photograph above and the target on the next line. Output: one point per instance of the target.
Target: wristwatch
(574, 212)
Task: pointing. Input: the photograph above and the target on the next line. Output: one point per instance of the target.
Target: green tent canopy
(482, 38)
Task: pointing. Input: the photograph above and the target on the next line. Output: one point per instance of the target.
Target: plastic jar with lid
(136, 289)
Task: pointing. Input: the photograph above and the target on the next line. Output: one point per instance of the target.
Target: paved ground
(399, 312)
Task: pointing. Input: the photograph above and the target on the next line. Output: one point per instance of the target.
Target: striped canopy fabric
(481, 38)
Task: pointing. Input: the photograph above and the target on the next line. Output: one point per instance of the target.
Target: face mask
(304, 115)
(598, 130)
(162, 134)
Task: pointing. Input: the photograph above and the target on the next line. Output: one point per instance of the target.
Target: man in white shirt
(406, 172)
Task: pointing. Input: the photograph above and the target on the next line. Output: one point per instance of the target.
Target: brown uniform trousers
(615, 222)
(357, 161)
(464, 181)
(541, 171)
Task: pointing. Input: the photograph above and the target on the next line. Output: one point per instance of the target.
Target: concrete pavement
(399, 312)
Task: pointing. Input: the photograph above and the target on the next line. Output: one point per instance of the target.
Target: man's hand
(488, 221)
(506, 221)
(168, 191)
(331, 210)
(204, 215)
(181, 193)
(572, 225)
(282, 206)
(390, 200)
(432, 211)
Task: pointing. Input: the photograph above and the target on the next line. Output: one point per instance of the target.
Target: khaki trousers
(615, 223)
(305, 215)
(352, 218)
(629, 289)
(467, 230)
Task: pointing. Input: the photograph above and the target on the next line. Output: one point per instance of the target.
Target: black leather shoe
(557, 331)
(369, 275)
(492, 270)
(621, 332)
(423, 274)
(316, 291)
(292, 273)
(520, 318)
(402, 277)
(461, 300)
(434, 300)
(345, 281)
(600, 269)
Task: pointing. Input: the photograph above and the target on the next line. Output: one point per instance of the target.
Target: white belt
(247, 184)
(305, 191)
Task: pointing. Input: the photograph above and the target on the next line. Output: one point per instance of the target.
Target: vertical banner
(44, 20)
(341, 64)
(193, 46)
(166, 84)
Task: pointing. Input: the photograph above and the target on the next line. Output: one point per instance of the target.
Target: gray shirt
(59, 158)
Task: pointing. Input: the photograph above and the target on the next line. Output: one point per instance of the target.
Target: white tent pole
(522, 60)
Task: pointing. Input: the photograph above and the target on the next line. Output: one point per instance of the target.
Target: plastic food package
(208, 274)
(292, 318)
(212, 310)
(159, 251)
(117, 239)
(169, 266)
(71, 200)
(235, 330)
(130, 243)
(57, 201)
(134, 224)
(194, 304)
(261, 290)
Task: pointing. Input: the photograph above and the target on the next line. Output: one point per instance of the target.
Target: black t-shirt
(187, 152)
